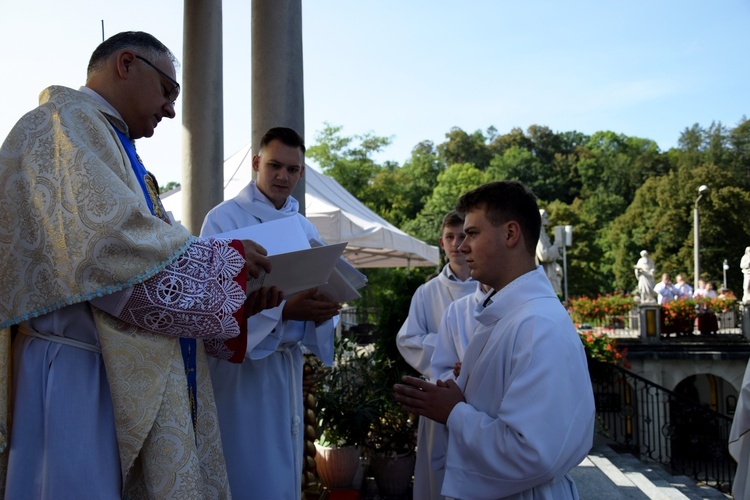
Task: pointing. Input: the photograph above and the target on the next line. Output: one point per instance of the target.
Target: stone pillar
(745, 313)
(650, 323)
(202, 112)
(277, 81)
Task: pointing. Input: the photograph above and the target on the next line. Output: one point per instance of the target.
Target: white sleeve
(414, 341)
(542, 427)
(264, 332)
(212, 223)
(445, 356)
(319, 339)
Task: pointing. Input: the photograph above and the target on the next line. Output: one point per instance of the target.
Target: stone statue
(644, 273)
(745, 266)
(547, 255)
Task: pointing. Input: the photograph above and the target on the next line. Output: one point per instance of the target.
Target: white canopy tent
(338, 216)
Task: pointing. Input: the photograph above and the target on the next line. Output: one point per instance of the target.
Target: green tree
(660, 221)
(619, 164)
(398, 194)
(452, 183)
(501, 143)
(348, 159)
(464, 148)
(169, 186)
(739, 141)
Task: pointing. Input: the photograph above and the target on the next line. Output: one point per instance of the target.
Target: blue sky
(412, 69)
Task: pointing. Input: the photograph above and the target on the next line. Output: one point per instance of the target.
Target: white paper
(294, 265)
(294, 272)
(338, 289)
(277, 236)
(344, 281)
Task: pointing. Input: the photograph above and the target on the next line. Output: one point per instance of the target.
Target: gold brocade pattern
(74, 225)
(73, 220)
(158, 451)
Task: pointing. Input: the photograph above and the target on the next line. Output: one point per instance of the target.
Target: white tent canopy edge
(338, 217)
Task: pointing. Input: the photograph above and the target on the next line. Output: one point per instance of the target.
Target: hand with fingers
(434, 401)
(310, 305)
(263, 298)
(255, 259)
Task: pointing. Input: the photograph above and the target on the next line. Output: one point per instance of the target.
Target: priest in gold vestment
(110, 390)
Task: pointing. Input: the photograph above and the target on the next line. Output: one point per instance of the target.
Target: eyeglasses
(172, 94)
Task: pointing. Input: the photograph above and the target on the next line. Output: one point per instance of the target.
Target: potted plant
(347, 403)
(392, 440)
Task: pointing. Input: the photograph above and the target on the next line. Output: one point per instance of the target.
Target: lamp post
(696, 241)
(568, 242)
(725, 266)
(564, 234)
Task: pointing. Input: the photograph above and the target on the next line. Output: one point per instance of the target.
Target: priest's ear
(123, 60)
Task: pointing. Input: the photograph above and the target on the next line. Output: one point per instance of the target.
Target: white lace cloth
(196, 296)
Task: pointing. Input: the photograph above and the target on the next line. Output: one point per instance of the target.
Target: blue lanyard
(188, 346)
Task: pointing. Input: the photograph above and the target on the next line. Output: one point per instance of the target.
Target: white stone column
(202, 112)
(277, 76)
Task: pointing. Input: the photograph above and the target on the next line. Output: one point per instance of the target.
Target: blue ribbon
(188, 346)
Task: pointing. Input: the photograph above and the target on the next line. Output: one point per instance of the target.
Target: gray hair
(144, 43)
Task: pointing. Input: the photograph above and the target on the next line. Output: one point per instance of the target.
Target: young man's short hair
(505, 201)
(451, 219)
(287, 136)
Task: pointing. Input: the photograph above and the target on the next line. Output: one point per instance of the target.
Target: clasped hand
(434, 401)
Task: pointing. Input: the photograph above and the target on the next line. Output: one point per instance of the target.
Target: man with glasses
(106, 297)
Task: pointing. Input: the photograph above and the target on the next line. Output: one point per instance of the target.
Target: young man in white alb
(260, 401)
(417, 336)
(455, 331)
(521, 413)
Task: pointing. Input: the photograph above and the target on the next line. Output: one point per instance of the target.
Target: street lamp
(564, 234)
(696, 245)
(726, 266)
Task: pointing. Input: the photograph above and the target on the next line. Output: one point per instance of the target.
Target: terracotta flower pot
(337, 467)
(393, 475)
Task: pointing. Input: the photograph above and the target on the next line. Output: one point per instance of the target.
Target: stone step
(607, 474)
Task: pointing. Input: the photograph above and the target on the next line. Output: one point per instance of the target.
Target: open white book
(295, 265)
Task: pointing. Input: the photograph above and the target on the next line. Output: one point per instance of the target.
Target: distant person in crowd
(700, 291)
(111, 392)
(260, 405)
(705, 290)
(417, 337)
(520, 415)
(684, 290)
(665, 290)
